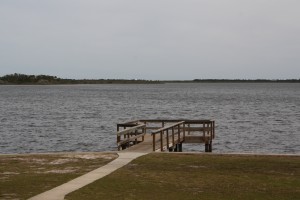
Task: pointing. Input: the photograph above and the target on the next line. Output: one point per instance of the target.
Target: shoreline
(182, 153)
(154, 83)
(24, 79)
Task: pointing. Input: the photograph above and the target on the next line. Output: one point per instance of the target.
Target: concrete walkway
(58, 193)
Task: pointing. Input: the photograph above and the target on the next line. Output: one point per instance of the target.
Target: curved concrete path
(58, 193)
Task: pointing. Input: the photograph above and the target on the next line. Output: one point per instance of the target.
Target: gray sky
(157, 39)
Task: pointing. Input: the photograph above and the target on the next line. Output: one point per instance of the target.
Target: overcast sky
(151, 39)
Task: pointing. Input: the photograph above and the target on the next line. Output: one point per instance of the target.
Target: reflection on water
(249, 117)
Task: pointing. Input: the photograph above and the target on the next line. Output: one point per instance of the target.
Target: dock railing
(130, 135)
(163, 131)
(200, 131)
(175, 131)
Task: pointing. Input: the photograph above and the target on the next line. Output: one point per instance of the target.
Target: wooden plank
(131, 139)
(193, 129)
(178, 132)
(131, 130)
(173, 136)
(129, 123)
(196, 139)
(167, 127)
(183, 130)
(167, 138)
(153, 127)
(161, 141)
(186, 128)
(147, 145)
(188, 121)
(153, 142)
(206, 121)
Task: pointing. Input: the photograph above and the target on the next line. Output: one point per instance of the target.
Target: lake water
(250, 117)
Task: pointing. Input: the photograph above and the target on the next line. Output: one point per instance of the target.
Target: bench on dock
(164, 135)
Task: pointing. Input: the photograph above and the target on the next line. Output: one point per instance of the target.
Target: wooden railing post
(213, 129)
(161, 141)
(167, 139)
(118, 137)
(124, 134)
(153, 134)
(118, 140)
(179, 133)
(184, 131)
(203, 130)
(143, 132)
(145, 128)
(173, 137)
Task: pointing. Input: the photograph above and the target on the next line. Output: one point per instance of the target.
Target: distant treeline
(248, 80)
(23, 79)
(236, 81)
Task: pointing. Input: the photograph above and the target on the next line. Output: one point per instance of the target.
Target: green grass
(199, 176)
(24, 176)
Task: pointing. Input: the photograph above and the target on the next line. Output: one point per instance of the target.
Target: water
(250, 117)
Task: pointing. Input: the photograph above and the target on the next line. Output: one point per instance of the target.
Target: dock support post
(208, 146)
(161, 141)
(173, 138)
(167, 139)
(153, 142)
(179, 147)
(118, 138)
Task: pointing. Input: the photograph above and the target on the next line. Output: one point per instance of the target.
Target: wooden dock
(164, 135)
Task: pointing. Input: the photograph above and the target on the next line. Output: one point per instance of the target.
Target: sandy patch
(62, 161)
(61, 171)
(196, 166)
(6, 175)
(10, 173)
(94, 156)
(10, 196)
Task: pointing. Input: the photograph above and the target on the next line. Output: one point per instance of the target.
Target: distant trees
(28, 79)
(247, 80)
(18, 79)
(24, 79)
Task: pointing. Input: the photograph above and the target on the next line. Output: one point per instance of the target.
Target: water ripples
(249, 117)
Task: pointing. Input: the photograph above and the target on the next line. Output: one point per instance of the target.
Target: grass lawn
(24, 176)
(199, 176)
